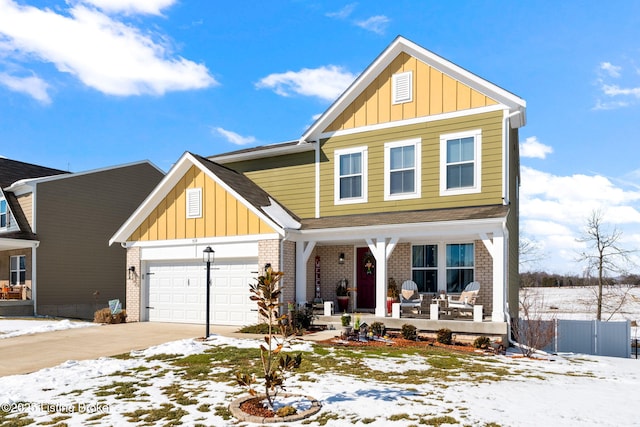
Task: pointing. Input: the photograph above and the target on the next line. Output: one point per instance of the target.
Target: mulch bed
(397, 341)
(256, 407)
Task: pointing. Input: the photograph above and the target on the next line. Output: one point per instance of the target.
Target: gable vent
(194, 203)
(402, 87)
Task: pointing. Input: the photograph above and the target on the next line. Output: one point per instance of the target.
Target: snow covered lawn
(28, 326)
(191, 382)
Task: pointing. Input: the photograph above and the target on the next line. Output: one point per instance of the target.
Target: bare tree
(529, 252)
(603, 253)
(533, 331)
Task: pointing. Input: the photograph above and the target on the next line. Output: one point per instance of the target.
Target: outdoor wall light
(132, 272)
(341, 258)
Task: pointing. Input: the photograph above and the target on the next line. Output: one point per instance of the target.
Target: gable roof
(400, 44)
(242, 188)
(13, 170)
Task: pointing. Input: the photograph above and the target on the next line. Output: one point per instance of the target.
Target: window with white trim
(460, 266)
(17, 270)
(4, 222)
(194, 202)
(443, 266)
(424, 267)
(402, 87)
(350, 175)
(402, 171)
(460, 155)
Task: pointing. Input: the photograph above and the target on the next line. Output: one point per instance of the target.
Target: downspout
(34, 278)
(505, 179)
(317, 179)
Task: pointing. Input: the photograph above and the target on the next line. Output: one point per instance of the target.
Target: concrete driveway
(29, 353)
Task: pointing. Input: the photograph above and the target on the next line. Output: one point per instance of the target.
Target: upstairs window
(402, 87)
(460, 163)
(194, 203)
(18, 271)
(402, 169)
(3, 214)
(351, 175)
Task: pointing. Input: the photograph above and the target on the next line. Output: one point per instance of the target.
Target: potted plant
(342, 294)
(392, 293)
(345, 319)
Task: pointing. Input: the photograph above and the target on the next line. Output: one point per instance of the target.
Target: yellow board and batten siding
(433, 93)
(222, 214)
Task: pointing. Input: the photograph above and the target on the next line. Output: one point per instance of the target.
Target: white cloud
(235, 138)
(105, 54)
(377, 24)
(554, 210)
(533, 148)
(129, 7)
(343, 13)
(615, 90)
(612, 70)
(327, 82)
(32, 86)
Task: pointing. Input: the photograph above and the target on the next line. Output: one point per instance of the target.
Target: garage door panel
(177, 293)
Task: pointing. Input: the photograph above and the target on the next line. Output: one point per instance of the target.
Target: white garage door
(177, 293)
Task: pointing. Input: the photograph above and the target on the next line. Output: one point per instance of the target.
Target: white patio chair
(409, 295)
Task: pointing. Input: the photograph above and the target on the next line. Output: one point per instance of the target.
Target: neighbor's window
(424, 267)
(460, 266)
(402, 169)
(18, 271)
(460, 163)
(3, 213)
(351, 175)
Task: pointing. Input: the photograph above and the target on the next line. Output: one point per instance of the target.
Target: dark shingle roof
(13, 170)
(406, 217)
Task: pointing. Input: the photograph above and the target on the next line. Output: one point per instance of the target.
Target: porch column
(381, 251)
(496, 249)
(303, 252)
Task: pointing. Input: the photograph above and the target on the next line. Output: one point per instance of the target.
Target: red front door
(366, 277)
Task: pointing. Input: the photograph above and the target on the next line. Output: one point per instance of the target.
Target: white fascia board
(415, 231)
(400, 44)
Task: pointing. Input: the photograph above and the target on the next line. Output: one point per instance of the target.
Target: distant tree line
(547, 280)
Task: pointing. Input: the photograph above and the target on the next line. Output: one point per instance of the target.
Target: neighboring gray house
(54, 232)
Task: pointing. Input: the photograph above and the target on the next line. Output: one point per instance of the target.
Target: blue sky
(86, 84)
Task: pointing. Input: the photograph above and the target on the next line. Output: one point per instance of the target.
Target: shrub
(378, 328)
(302, 319)
(444, 336)
(482, 342)
(104, 316)
(409, 332)
(345, 319)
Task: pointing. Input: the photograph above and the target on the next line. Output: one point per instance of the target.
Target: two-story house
(412, 173)
(54, 232)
